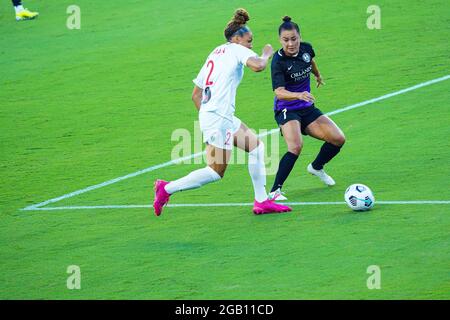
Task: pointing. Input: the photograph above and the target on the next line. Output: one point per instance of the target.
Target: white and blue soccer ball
(359, 197)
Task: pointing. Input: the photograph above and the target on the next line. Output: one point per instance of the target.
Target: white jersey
(220, 76)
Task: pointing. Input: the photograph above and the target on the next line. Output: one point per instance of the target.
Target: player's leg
(293, 138)
(217, 134)
(23, 13)
(246, 140)
(217, 160)
(325, 129)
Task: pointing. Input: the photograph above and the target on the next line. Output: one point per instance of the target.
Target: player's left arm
(197, 97)
(316, 72)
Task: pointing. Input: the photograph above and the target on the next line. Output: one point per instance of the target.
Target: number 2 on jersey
(227, 139)
(208, 82)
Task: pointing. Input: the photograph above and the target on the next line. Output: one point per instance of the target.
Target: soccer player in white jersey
(214, 96)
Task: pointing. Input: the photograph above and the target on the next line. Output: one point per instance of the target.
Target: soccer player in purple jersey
(294, 107)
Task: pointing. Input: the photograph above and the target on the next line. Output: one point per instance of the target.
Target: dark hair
(288, 25)
(237, 23)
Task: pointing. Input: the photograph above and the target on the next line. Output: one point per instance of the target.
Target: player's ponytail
(288, 24)
(237, 25)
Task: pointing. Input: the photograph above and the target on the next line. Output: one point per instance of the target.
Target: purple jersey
(292, 73)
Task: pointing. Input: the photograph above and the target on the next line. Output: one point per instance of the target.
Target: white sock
(193, 180)
(257, 170)
(18, 8)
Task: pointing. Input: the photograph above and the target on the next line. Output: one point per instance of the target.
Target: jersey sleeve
(313, 53)
(277, 73)
(243, 53)
(199, 80)
(308, 47)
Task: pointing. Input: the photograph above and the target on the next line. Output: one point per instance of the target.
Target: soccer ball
(359, 197)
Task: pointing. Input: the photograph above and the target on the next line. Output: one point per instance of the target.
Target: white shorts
(217, 130)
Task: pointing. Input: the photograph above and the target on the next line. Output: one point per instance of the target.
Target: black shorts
(305, 116)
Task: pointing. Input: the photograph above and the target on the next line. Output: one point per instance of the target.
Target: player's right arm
(283, 94)
(258, 64)
(279, 82)
(197, 96)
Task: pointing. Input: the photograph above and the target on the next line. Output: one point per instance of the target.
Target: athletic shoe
(161, 196)
(26, 14)
(277, 195)
(322, 175)
(269, 206)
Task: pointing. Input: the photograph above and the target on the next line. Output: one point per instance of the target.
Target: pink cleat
(269, 206)
(161, 196)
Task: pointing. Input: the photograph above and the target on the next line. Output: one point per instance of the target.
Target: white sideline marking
(199, 154)
(390, 95)
(237, 204)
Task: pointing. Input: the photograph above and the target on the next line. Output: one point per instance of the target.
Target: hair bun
(241, 16)
(287, 19)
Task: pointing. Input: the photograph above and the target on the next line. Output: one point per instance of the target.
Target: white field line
(199, 154)
(237, 204)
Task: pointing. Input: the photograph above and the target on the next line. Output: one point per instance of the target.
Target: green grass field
(80, 107)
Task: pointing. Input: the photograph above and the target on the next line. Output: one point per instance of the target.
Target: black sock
(284, 168)
(326, 153)
(16, 3)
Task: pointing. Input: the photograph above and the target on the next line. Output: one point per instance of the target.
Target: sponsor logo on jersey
(297, 76)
